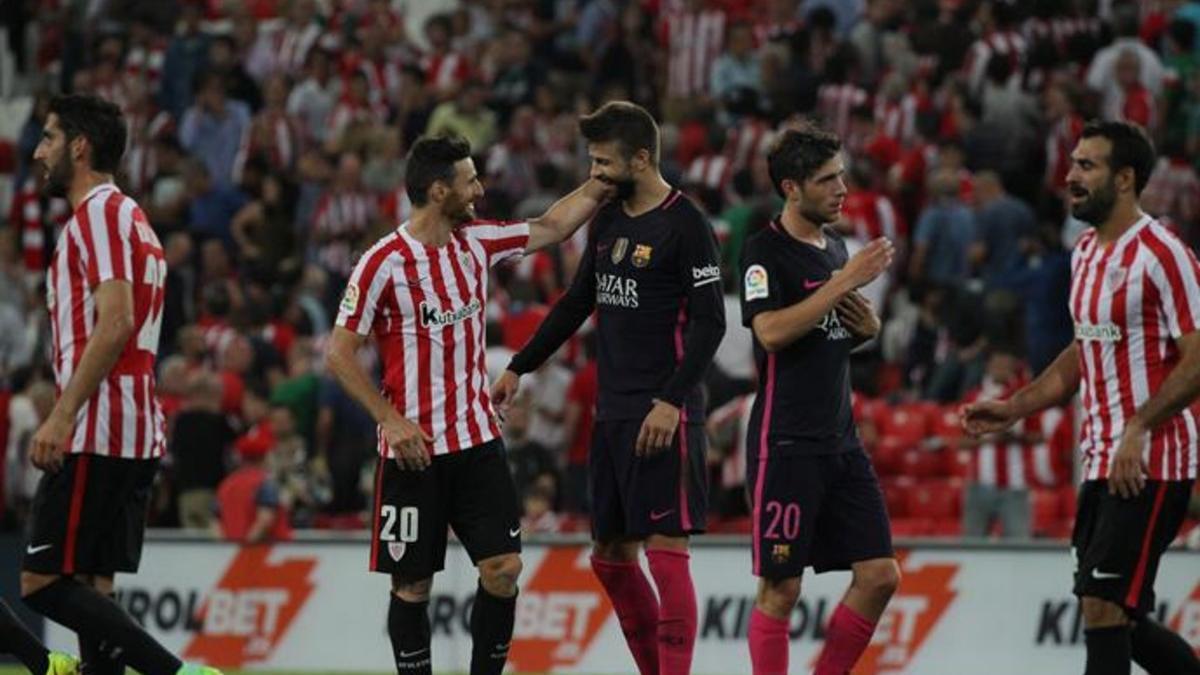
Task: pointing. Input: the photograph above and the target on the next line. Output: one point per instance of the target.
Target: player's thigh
(50, 539)
(124, 547)
(610, 461)
(853, 524)
(1119, 542)
(786, 498)
(483, 507)
(667, 491)
(408, 525)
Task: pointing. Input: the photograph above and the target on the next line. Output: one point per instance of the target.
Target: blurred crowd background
(267, 144)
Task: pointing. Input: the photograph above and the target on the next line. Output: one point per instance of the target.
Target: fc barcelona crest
(620, 246)
(641, 255)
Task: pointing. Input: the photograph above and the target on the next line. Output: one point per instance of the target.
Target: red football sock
(677, 618)
(845, 641)
(636, 607)
(768, 644)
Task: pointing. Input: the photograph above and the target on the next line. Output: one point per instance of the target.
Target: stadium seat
(888, 456)
(911, 527)
(1046, 509)
(956, 463)
(936, 498)
(920, 463)
(946, 527)
(945, 425)
(895, 495)
(1067, 501)
(906, 423)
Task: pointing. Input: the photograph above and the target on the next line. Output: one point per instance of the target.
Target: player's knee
(778, 597)
(879, 578)
(1100, 613)
(412, 591)
(31, 582)
(499, 575)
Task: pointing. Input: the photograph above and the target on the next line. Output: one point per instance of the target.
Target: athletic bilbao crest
(560, 613)
(1186, 621)
(245, 617)
(926, 592)
(620, 246)
(396, 549)
(1115, 276)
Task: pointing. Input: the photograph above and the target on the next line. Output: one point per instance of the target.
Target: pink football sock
(768, 644)
(845, 641)
(636, 607)
(677, 617)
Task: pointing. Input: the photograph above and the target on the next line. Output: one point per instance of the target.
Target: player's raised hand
(504, 390)
(658, 429)
(408, 441)
(49, 444)
(855, 311)
(987, 417)
(870, 262)
(1127, 472)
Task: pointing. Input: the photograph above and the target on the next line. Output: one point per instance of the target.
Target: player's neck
(85, 181)
(1123, 217)
(429, 227)
(801, 228)
(647, 195)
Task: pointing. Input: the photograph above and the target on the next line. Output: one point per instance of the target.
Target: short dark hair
(798, 153)
(431, 159)
(627, 123)
(97, 120)
(1131, 148)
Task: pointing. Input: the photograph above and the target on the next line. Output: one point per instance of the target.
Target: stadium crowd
(267, 144)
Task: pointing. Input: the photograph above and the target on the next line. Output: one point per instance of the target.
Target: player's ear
(78, 147)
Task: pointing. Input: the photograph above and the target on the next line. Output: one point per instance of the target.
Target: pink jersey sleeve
(105, 227)
(501, 240)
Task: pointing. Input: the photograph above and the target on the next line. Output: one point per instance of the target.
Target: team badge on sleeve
(755, 283)
(350, 299)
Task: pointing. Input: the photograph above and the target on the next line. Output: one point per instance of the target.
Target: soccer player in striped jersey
(650, 273)
(1135, 301)
(101, 444)
(815, 499)
(420, 291)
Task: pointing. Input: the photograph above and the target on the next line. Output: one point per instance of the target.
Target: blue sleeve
(267, 496)
(925, 227)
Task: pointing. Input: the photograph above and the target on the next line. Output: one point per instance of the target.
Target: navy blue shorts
(634, 497)
(819, 511)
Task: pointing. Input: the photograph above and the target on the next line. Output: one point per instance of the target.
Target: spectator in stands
(1173, 193)
(211, 204)
(345, 442)
(223, 59)
(249, 501)
(1001, 223)
(265, 230)
(27, 408)
(184, 60)
(344, 215)
(943, 234)
(466, 116)
(304, 483)
(1042, 284)
(578, 417)
(214, 127)
(312, 101)
(201, 437)
(1102, 72)
(538, 515)
(739, 67)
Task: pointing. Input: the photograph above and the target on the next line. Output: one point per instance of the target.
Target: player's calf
(408, 625)
(872, 586)
(768, 636)
(494, 613)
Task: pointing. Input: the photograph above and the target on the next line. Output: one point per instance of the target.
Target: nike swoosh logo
(659, 516)
(1097, 574)
(513, 533)
(405, 655)
(33, 550)
(809, 285)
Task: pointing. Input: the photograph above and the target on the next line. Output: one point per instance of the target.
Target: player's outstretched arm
(1056, 385)
(567, 215)
(567, 315)
(776, 329)
(114, 328)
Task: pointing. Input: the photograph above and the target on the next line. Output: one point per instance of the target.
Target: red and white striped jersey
(348, 112)
(36, 214)
(292, 45)
(341, 219)
(693, 41)
(1173, 191)
(748, 141)
(1061, 140)
(446, 71)
(713, 170)
(146, 62)
(1015, 463)
(107, 239)
(898, 119)
(872, 215)
(425, 307)
(140, 160)
(1008, 43)
(835, 102)
(1131, 301)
